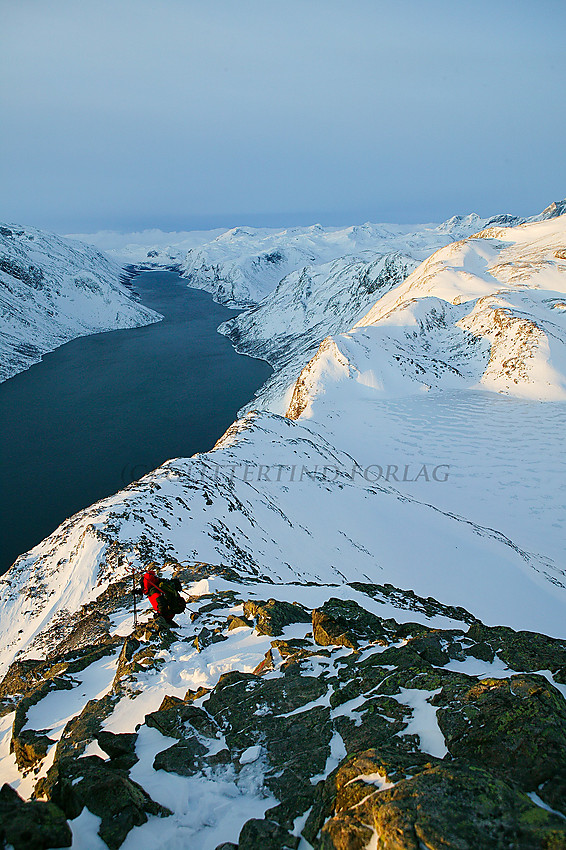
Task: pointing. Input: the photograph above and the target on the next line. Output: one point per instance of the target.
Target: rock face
(55, 289)
(451, 805)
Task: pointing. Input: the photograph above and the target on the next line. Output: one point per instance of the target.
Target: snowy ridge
(52, 290)
(486, 312)
(408, 508)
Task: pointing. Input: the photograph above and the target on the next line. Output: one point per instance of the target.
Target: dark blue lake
(103, 410)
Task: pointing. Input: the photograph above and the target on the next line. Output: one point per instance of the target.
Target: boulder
(120, 748)
(342, 622)
(105, 791)
(267, 835)
(182, 721)
(272, 616)
(184, 758)
(31, 826)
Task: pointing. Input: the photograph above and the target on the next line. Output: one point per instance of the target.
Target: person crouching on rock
(150, 585)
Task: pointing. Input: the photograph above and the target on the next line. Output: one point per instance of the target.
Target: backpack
(170, 590)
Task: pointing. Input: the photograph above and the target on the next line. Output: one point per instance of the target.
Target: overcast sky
(182, 114)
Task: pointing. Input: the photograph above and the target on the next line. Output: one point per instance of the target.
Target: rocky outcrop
(31, 826)
(357, 725)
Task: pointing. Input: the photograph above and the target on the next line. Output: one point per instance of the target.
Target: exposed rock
(238, 623)
(409, 600)
(272, 616)
(522, 651)
(107, 792)
(206, 637)
(453, 805)
(31, 826)
(120, 748)
(84, 728)
(267, 835)
(514, 726)
(345, 623)
(184, 758)
(250, 710)
(29, 748)
(265, 665)
(181, 721)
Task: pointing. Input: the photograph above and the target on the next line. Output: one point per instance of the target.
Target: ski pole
(134, 595)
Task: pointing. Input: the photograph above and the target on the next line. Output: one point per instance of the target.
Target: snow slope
(52, 290)
(401, 389)
(423, 450)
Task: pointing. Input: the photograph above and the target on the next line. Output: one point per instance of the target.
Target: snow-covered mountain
(361, 575)
(239, 267)
(52, 290)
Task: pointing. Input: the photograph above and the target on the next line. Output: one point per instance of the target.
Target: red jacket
(150, 586)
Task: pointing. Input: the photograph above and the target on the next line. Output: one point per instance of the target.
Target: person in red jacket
(150, 586)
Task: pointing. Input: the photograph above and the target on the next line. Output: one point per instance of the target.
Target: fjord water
(103, 410)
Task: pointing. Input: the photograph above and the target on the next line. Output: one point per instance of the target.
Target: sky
(188, 114)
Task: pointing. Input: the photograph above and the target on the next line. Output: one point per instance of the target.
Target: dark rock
(250, 710)
(184, 758)
(31, 826)
(431, 647)
(120, 748)
(380, 720)
(221, 757)
(515, 726)
(107, 792)
(181, 721)
(267, 835)
(342, 622)
(206, 637)
(85, 727)
(409, 601)
(522, 651)
(227, 845)
(272, 616)
(452, 805)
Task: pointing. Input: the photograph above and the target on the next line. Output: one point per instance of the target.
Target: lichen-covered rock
(267, 835)
(342, 622)
(522, 651)
(31, 826)
(84, 728)
(106, 791)
(515, 726)
(182, 721)
(447, 806)
(29, 748)
(184, 758)
(252, 710)
(272, 616)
